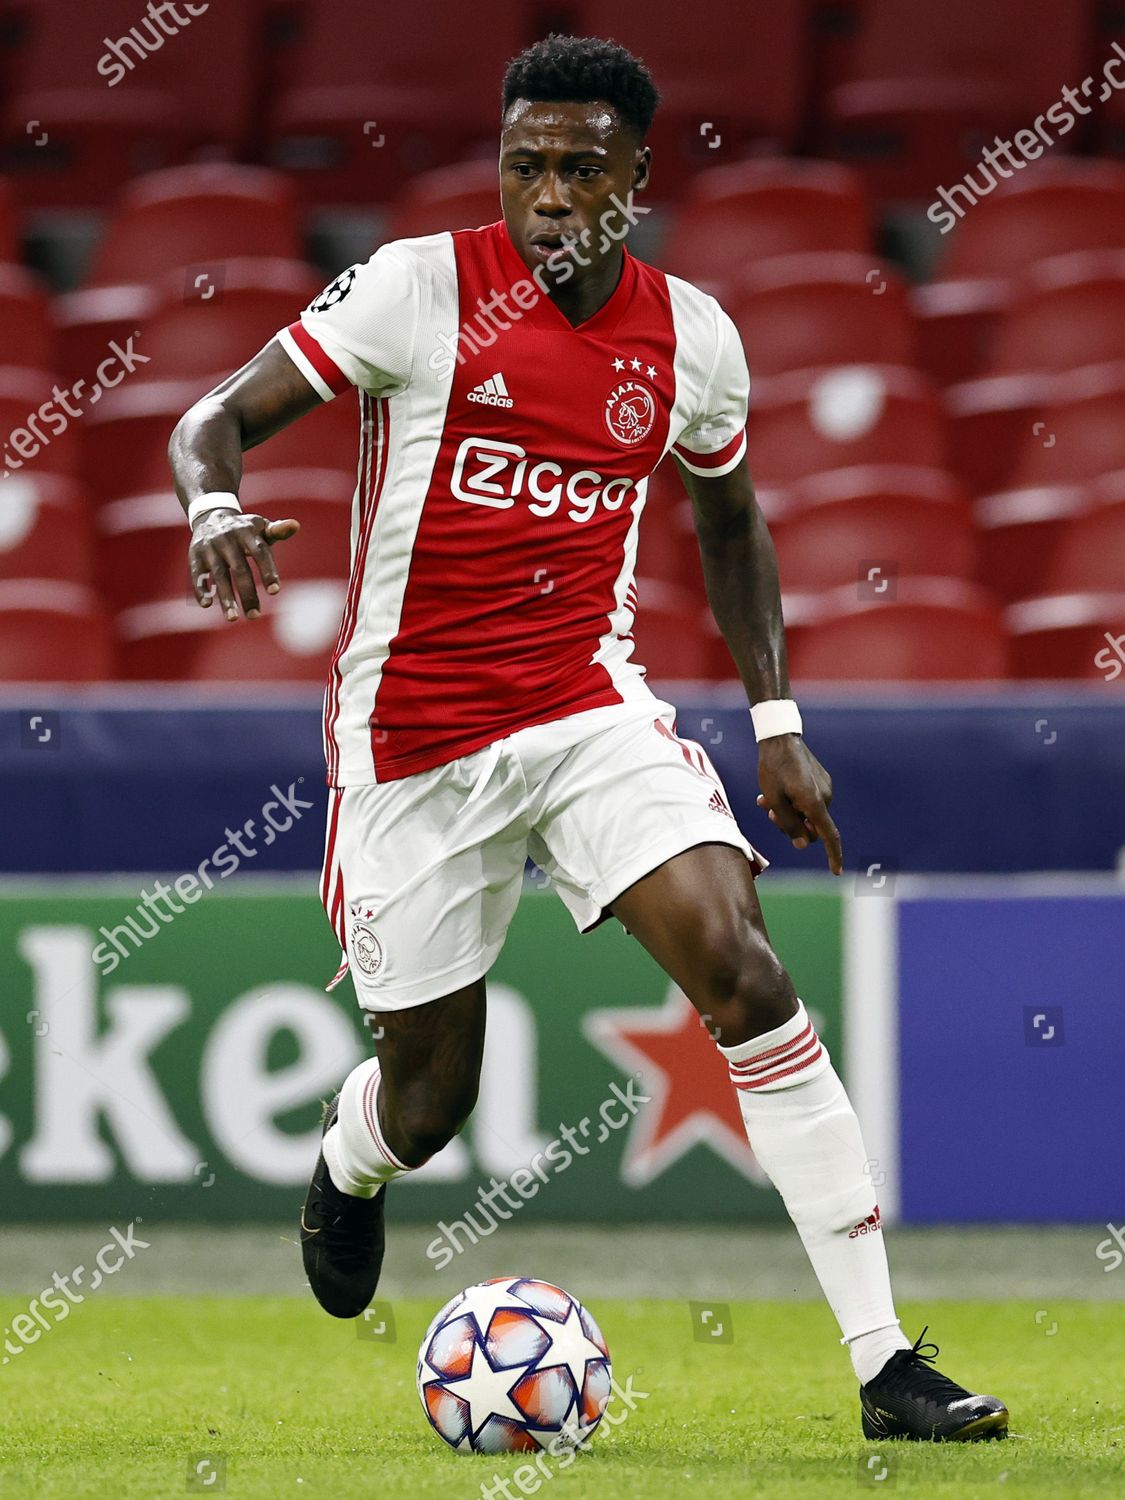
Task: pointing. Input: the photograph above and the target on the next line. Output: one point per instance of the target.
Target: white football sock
(359, 1160)
(806, 1137)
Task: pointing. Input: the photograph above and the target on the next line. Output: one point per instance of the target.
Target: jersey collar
(547, 314)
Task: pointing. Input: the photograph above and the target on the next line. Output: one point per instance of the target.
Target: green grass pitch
(118, 1399)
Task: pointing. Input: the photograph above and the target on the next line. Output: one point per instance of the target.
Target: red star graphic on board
(686, 1078)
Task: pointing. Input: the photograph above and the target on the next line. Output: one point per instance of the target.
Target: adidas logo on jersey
(491, 392)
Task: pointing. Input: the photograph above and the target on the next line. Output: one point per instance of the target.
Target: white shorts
(422, 876)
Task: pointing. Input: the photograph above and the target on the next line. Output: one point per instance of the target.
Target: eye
(586, 173)
(523, 169)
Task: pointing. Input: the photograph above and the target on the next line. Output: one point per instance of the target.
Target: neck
(582, 296)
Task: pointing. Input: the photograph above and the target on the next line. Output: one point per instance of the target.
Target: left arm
(740, 572)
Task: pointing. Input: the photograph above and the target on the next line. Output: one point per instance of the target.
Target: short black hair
(582, 69)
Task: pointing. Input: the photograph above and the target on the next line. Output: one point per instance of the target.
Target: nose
(551, 199)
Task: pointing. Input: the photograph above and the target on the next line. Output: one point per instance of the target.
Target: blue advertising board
(1011, 1017)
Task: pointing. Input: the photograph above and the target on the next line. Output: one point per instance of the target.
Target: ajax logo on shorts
(630, 411)
(364, 948)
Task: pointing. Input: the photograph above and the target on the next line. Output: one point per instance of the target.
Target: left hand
(797, 791)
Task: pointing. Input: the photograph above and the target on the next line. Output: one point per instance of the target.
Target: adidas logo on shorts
(491, 392)
(717, 804)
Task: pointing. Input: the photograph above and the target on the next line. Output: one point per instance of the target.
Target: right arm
(205, 453)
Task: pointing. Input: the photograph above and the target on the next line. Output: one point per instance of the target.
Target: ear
(642, 169)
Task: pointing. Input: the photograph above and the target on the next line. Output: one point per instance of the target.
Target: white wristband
(775, 716)
(213, 500)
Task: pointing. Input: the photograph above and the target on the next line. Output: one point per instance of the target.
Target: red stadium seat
(125, 440)
(89, 321)
(96, 139)
(44, 529)
(812, 420)
(175, 640)
(326, 439)
(1051, 207)
(125, 437)
(667, 551)
(957, 323)
(676, 636)
(1069, 635)
(197, 216)
(798, 312)
(462, 196)
(9, 229)
(931, 85)
(142, 553)
(117, 94)
(29, 336)
(225, 322)
(38, 435)
(736, 215)
(1069, 311)
(1090, 554)
(1110, 119)
(1082, 435)
(933, 629)
(375, 101)
(900, 522)
(1018, 532)
(729, 79)
(991, 419)
(51, 632)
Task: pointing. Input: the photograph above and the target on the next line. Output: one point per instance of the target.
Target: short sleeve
(360, 330)
(714, 441)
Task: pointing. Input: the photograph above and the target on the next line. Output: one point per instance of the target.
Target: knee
(421, 1119)
(745, 984)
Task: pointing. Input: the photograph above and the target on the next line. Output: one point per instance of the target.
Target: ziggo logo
(487, 472)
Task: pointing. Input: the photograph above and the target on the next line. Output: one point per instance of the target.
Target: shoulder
(394, 272)
(696, 309)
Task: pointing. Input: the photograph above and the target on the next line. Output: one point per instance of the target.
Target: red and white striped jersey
(504, 461)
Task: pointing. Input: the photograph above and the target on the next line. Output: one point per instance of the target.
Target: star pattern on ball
(570, 1346)
(486, 1391)
(487, 1299)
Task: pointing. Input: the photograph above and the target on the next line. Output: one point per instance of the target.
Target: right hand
(222, 544)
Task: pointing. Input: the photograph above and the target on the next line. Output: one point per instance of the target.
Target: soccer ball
(511, 1366)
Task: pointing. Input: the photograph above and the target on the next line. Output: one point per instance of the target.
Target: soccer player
(518, 384)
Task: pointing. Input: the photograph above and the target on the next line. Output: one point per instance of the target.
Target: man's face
(560, 167)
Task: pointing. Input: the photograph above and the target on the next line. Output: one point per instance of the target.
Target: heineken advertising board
(184, 1080)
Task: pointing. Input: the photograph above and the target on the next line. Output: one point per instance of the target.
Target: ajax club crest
(364, 948)
(630, 411)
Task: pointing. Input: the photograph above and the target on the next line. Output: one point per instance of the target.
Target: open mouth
(546, 245)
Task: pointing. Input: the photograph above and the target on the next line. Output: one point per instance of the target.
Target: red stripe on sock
(775, 1055)
(371, 1115)
(757, 1083)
